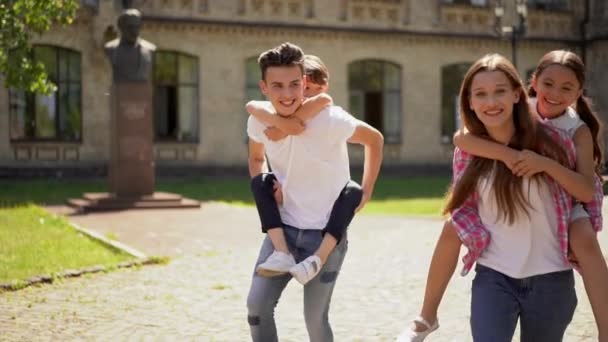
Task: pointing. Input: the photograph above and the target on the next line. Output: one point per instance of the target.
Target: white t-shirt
(312, 167)
(568, 122)
(530, 245)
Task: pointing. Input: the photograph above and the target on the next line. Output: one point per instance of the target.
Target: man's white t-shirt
(312, 167)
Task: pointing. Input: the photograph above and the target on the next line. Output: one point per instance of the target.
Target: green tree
(19, 21)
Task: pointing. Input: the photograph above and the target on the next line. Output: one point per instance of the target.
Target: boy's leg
(317, 295)
(262, 299)
(585, 247)
(268, 210)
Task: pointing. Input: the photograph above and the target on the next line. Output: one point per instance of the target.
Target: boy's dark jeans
(341, 215)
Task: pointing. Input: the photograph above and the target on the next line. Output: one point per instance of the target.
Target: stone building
(395, 63)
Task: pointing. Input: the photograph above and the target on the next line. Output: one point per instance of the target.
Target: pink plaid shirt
(476, 238)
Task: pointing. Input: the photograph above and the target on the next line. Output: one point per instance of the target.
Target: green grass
(35, 242)
(395, 196)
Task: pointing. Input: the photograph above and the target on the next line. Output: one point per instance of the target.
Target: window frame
(178, 84)
(30, 98)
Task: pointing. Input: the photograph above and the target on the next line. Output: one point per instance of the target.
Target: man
(131, 56)
(313, 169)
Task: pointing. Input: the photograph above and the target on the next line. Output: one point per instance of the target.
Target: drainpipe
(584, 23)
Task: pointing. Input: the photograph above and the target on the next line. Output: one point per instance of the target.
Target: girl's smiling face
(556, 88)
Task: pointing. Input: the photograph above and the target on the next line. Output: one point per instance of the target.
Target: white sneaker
(278, 263)
(306, 269)
(410, 335)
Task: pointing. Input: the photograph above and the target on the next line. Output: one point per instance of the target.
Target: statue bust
(131, 57)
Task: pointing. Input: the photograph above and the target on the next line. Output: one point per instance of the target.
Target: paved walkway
(200, 295)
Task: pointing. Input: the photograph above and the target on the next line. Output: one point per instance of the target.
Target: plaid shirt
(471, 230)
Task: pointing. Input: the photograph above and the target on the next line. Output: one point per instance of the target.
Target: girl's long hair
(584, 107)
(528, 135)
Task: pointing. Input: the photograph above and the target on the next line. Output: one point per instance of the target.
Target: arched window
(53, 117)
(375, 96)
(176, 94)
(253, 75)
(451, 77)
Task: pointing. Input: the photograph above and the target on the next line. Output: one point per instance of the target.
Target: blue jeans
(544, 304)
(265, 292)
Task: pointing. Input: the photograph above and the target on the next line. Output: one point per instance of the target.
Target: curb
(141, 260)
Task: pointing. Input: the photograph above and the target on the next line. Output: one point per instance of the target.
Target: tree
(19, 21)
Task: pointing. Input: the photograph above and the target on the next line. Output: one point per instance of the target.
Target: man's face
(284, 88)
(314, 89)
(129, 29)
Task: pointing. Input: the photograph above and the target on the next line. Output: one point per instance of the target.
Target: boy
(267, 190)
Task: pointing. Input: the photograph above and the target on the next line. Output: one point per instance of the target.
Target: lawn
(35, 242)
(395, 196)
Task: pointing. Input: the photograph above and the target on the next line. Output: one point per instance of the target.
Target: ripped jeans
(265, 292)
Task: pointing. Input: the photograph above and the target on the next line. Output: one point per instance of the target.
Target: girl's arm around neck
(261, 111)
(484, 148)
(312, 106)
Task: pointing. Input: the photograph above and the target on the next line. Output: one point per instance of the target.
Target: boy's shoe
(306, 269)
(410, 335)
(278, 263)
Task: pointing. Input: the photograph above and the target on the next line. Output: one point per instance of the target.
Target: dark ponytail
(585, 112)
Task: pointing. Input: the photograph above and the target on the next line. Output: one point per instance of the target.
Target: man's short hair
(315, 70)
(129, 15)
(284, 55)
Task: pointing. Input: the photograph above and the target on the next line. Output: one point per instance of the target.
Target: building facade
(396, 64)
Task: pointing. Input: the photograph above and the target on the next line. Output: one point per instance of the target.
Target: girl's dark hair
(584, 107)
(286, 54)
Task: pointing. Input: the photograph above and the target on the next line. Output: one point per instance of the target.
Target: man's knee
(259, 305)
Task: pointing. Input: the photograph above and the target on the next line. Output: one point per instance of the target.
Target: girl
(446, 252)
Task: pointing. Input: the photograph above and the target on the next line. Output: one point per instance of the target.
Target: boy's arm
(312, 106)
(484, 148)
(373, 142)
(261, 111)
(257, 158)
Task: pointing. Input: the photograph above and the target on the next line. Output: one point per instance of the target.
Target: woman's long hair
(584, 107)
(528, 135)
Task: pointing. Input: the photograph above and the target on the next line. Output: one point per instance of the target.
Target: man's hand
(274, 134)
(277, 192)
(364, 199)
(528, 164)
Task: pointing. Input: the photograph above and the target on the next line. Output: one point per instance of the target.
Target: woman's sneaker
(411, 335)
(306, 269)
(278, 263)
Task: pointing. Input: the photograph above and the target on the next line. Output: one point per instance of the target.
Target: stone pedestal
(131, 168)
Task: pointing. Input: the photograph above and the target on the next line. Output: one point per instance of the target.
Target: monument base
(103, 201)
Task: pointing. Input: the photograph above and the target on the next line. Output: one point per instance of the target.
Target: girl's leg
(494, 306)
(341, 215)
(443, 265)
(281, 260)
(586, 249)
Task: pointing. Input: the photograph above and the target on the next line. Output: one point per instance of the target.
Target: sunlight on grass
(397, 206)
(35, 242)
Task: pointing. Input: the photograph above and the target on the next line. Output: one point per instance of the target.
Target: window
(175, 97)
(451, 77)
(253, 76)
(53, 117)
(375, 96)
(478, 3)
(549, 5)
